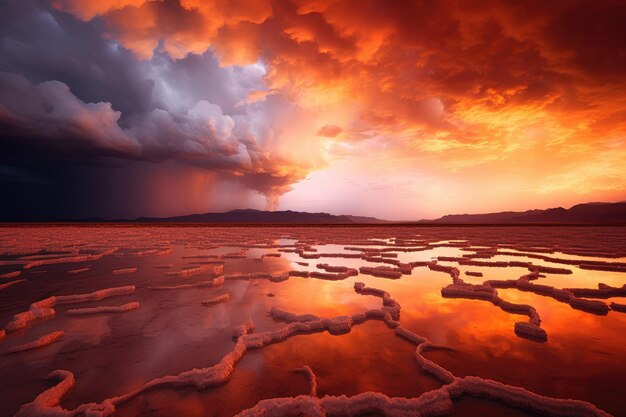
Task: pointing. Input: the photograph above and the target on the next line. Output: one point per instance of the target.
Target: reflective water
(172, 332)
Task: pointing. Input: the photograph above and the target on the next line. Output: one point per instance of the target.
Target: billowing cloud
(267, 93)
(50, 113)
(329, 131)
(183, 26)
(87, 93)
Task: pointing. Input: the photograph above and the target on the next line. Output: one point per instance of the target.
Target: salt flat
(182, 320)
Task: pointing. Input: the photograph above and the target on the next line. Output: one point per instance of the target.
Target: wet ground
(547, 315)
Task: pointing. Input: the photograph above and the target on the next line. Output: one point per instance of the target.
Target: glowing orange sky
(410, 109)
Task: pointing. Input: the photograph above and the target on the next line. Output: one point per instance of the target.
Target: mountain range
(589, 213)
(251, 216)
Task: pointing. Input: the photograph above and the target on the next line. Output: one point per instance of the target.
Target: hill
(589, 213)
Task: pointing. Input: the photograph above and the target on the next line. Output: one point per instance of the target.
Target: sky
(396, 109)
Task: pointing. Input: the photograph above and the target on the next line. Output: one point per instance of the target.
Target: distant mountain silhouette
(250, 216)
(589, 213)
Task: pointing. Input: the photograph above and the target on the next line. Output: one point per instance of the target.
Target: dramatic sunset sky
(394, 109)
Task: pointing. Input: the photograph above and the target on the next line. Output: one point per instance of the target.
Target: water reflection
(173, 332)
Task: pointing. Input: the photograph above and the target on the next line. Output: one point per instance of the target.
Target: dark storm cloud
(44, 44)
(68, 90)
(87, 83)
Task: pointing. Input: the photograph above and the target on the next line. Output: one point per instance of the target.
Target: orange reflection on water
(172, 332)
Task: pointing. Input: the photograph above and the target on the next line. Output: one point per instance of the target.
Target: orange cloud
(483, 93)
(330, 131)
(186, 26)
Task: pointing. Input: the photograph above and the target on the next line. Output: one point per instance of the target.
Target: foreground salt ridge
(384, 255)
(437, 402)
(124, 271)
(45, 340)
(11, 283)
(311, 378)
(12, 274)
(531, 330)
(571, 296)
(70, 259)
(460, 289)
(78, 271)
(215, 270)
(216, 300)
(43, 309)
(215, 282)
(103, 309)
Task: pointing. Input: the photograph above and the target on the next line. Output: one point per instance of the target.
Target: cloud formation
(266, 93)
(70, 88)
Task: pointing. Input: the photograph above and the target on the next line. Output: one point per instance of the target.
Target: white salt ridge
(203, 284)
(310, 376)
(244, 328)
(614, 306)
(43, 309)
(70, 259)
(157, 252)
(603, 291)
(8, 284)
(331, 268)
(305, 255)
(425, 364)
(504, 264)
(350, 272)
(243, 253)
(302, 274)
(531, 331)
(609, 268)
(92, 296)
(71, 252)
(78, 271)
(333, 273)
(11, 274)
(523, 399)
(437, 402)
(583, 264)
(390, 306)
(286, 317)
(47, 403)
(206, 268)
(433, 403)
(216, 300)
(591, 306)
(124, 271)
(41, 342)
(450, 270)
(104, 309)
(23, 320)
(283, 276)
(550, 269)
(567, 295)
(216, 375)
(485, 292)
